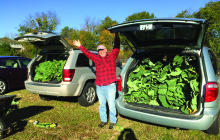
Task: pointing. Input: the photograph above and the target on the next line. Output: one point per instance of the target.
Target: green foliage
(173, 86)
(88, 39)
(29, 50)
(7, 40)
(106, 23)
(212, 14)
(66, 32)
(140, 15)
(184, 14)
(7, 50)
(49, 70)
(43, 22)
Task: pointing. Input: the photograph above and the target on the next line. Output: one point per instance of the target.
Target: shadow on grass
(16, 118)
(63, 99)
(127, 134)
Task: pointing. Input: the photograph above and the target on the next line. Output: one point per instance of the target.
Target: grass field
(76, 122)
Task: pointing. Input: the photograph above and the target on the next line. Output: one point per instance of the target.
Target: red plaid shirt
(105, 67)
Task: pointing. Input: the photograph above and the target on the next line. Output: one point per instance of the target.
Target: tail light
(211, 91)
(68, 75)
(119, 83)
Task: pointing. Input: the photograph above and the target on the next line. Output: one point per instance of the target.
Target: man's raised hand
(76, 43)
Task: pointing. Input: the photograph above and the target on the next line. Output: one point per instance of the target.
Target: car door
(10, 73)
(23, 70)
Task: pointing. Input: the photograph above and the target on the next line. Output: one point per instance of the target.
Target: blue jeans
(107, 93)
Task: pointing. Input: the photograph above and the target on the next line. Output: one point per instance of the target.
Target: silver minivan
(149, 87)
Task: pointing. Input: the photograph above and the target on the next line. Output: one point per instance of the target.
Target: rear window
(56, 56)
(186, 33)
(162, 34)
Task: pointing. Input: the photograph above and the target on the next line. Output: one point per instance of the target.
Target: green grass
(75, 122)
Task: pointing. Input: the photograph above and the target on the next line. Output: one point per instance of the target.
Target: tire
(1, 130)
(44, 97)
(3, 86)
(214, 128)
(88, 96)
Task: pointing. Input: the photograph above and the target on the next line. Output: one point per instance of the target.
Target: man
(105, 64)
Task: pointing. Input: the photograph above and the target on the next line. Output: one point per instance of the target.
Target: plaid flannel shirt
(105, 67)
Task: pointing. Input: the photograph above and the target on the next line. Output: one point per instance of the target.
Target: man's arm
(116, 48)
(87, 53)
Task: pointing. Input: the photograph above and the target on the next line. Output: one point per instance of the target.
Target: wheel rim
(90, 95)
(2, 87)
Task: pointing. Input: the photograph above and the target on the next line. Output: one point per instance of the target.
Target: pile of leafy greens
(49, 71)
(173, 86)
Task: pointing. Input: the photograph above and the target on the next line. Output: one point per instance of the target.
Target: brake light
(211, 91)
(119, 83)
(68, 75)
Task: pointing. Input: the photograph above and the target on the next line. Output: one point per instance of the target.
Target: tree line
(94, 32)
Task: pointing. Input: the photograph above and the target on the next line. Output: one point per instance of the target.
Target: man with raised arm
(105, 64)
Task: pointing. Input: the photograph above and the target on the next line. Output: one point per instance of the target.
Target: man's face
(102, 53)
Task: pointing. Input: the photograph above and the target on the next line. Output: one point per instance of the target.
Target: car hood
(45, 41)
(165, 33)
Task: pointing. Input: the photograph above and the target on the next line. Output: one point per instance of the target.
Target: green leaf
(163, 100)
(151, 92)
(175, 73)
(162, 76)
(171, 82)
(162, 89)
(194, 103)
(154, 102)
(184, 109)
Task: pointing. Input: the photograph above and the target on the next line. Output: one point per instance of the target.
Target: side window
(82, 61)
(214, 61)
(2, 64)
(24, 62)
(9, 63)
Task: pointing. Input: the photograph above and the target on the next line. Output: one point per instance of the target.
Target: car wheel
(214, 128)
(88, 96)
(44, 97)
(1, 130)
(3, 86)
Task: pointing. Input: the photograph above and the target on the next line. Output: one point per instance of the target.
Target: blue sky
(72, 13)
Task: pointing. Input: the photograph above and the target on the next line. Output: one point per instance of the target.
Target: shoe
(102, 124)
(111, 125)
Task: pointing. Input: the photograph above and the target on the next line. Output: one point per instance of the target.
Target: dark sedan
(13, 72)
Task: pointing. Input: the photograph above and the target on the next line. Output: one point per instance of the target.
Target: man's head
(102, 51)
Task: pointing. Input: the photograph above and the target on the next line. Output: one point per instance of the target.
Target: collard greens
(49, 70)
(173, 86)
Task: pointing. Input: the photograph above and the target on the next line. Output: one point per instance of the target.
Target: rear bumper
(201, 122)
(61, 89)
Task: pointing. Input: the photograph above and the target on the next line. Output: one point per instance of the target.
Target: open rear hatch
(45, 41)
(47, 66)
(169, 33)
